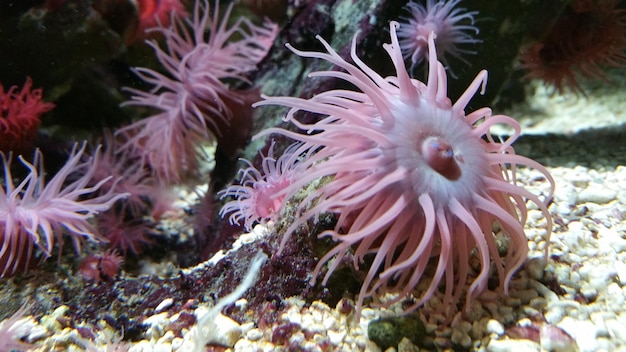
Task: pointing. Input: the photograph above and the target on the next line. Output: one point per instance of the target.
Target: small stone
(387, 332)
(216, 329)
(584, 332)
(555, 339)
(336, 337)
(162, 347)
(461, 338)
(521, 345)
(407, 346)
(254, 335)
(166, 303)
(177, 342)
(495, 327)
(241, 303)
(226, 332)
(297, 338)
(535, 268)
(616, 329)
(599, 195)
(589, 292)
(525, 295)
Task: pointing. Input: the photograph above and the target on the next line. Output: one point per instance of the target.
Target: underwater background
(146, 255)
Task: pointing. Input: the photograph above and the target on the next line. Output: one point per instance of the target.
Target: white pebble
(254, 335)
(495, 327)
(162, 347)
(616, 329)
(177, 342)
(241, 303)
(583, 331)
(166, 303)
(555, 339)
(522, 345)
(599, 195)
(336, 337)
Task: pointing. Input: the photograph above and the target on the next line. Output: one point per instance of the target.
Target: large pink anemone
(416, 184)
(193, 100)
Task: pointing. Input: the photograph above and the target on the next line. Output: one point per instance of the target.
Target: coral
(193, 99)
(411, 177)
(590, 35)
(20, 113)
(445, 20)
(34, 213)
(258, 196)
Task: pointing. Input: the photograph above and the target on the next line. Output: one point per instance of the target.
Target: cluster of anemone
(206, 58)
(415, 182)
(193, 99)
(125, 225)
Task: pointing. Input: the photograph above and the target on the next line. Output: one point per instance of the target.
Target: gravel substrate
(575, 302)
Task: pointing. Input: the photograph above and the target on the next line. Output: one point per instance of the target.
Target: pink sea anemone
(193, 100)
(125, 235)
(35, 213)
(258, 196)
(416, 183)
(451, 25)
(20, 112)
(126, 174)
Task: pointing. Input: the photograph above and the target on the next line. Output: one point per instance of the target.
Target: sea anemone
(20, 112)
(193, 99)
(445, 20)
(258, 196)
(126, 175)
(412, 179)
(590, 35)
(34, 213)
(123, 234)
(101, 267)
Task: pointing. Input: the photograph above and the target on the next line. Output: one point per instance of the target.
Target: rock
(388, 332)
(520, 345)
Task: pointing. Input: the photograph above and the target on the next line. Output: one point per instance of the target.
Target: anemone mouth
(440, 156)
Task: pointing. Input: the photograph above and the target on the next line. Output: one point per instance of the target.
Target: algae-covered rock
(388, 332)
